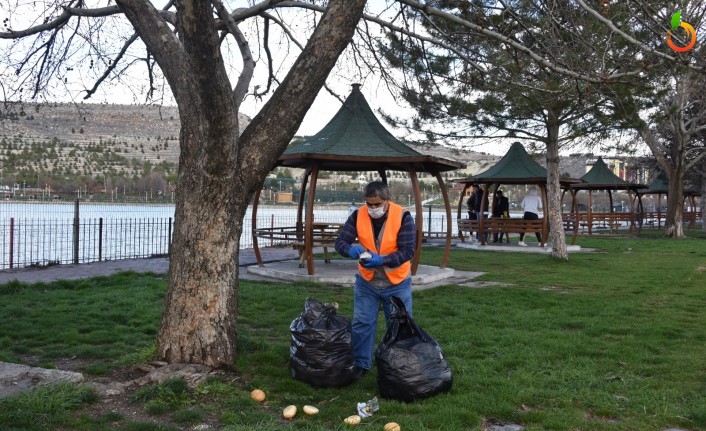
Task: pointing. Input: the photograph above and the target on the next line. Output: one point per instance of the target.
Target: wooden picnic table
(324, 235)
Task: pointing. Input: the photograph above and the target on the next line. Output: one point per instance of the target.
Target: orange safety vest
(364, 227)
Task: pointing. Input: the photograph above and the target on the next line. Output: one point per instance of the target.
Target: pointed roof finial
(356, 87)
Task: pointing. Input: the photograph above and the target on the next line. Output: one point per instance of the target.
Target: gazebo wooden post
(610, 199)
(481, 226)
(684, 203)
(449, 231)
(300, 207)
(460, 206)
(255, 246)
(561, 205)
(419, 221)
(589, 216)
(631, 201)
(692, 213)
(640, 212)
(309, 222)
(659, 210)
(383, 176)
(575, 211)
(545, 220)
(610, 202)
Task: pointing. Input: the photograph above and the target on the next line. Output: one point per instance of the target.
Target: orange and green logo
(690, 33)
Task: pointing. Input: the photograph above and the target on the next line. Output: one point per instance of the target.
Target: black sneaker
(359, 372)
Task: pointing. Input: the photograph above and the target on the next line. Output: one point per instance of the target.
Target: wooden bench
(501, 225)
(691, 217)
(652, 219)
(611, 220)
(323, 235)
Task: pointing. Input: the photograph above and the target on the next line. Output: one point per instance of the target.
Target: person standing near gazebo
(388, 232)
(477, 206)
(531, 204)
(501, 208)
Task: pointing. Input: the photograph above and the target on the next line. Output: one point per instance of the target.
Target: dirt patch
(117, 389)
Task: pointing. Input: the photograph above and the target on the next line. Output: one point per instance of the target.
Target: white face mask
(376, 212)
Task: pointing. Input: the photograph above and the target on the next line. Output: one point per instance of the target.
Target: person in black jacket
(501, 208)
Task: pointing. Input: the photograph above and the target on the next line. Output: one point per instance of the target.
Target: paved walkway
(247, 258)
(157, 265)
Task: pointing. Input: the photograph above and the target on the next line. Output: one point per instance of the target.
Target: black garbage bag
(410, 363)
(321, 353)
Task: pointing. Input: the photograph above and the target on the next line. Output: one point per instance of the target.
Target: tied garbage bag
(321, 353)
(410, 363)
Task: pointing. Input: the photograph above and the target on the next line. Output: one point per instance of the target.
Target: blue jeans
(366, 304)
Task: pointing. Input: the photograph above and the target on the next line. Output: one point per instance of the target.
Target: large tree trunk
(556, 224)
(676, 170)
(674, 225)
(200, 310)
(219, 171)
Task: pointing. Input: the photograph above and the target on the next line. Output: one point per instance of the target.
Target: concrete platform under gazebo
(341, 272)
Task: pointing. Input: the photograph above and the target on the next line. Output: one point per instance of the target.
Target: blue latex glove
(373, 262)
(355, 251)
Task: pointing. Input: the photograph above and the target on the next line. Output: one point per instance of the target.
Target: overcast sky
(130, 88)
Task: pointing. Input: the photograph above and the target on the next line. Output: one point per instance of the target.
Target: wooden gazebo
(516, 167)
(354, 140)
(660, 187)
(601, 178)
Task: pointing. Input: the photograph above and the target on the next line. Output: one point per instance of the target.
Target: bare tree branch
(112, 65)
(59, 22)
(300, 46)
(241, 87)
(268, 53)
(386, 24)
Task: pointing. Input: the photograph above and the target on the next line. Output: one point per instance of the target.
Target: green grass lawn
(610, 340)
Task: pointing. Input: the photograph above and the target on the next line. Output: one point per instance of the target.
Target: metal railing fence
(84, 233)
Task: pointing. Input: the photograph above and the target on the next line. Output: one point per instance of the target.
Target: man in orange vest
(387, 232)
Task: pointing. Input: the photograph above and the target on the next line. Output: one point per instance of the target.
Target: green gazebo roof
(659, 185)
(515, 167)
(515, 164)
(354, 140)
(601, 177)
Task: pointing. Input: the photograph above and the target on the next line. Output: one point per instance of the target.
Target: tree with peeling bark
(219, 168)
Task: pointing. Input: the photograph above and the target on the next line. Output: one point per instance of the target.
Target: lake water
(43, 233)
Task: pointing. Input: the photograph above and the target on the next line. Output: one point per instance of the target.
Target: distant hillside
(95, 140)
(132, 131)
(129, 141)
